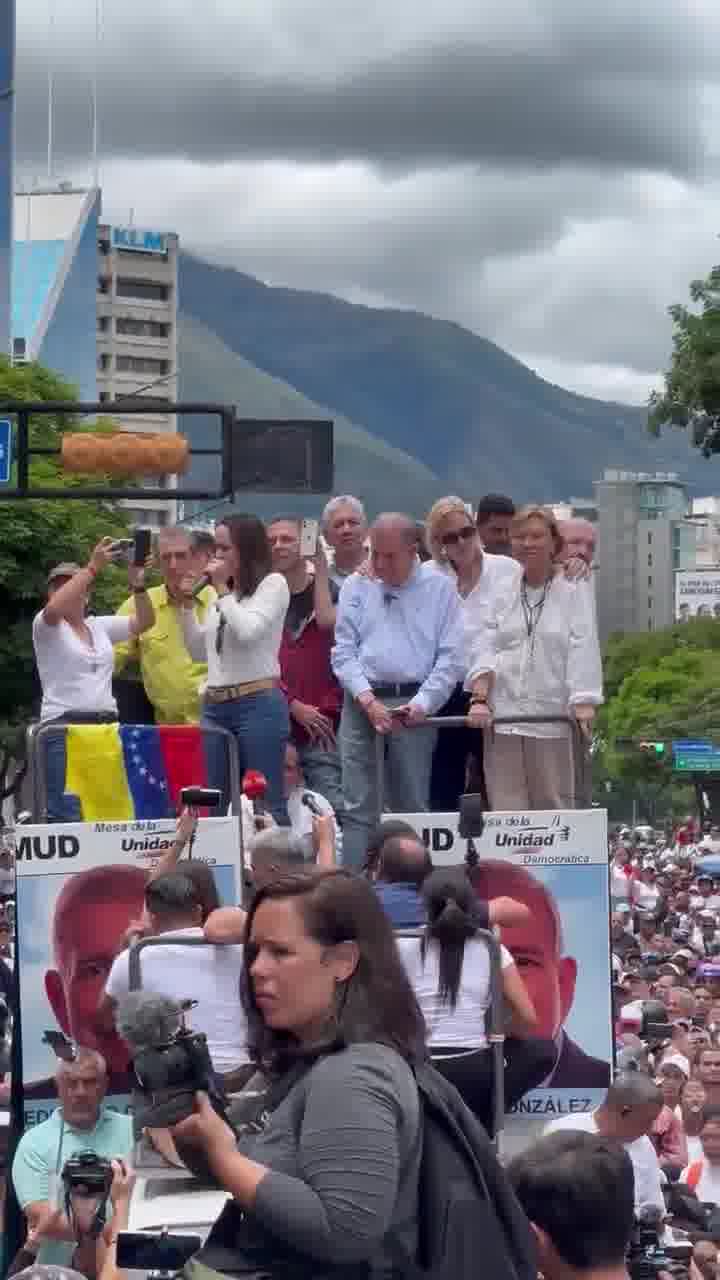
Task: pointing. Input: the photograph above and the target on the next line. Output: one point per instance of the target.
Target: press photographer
(82, 1123)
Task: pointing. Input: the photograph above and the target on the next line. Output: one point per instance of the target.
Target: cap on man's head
(67, 569)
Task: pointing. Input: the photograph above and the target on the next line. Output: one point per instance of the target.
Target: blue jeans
(61, 805)
(260, 726)
(409, 754)
(322, 773)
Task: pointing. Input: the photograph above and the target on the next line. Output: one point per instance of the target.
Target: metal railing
(37, 776)
(579, 757)
(163, 940)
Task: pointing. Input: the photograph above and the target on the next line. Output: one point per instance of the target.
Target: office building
(643, 538)
(137, 305)
(54, 282)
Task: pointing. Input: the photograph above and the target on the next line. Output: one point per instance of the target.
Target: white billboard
(697, 594)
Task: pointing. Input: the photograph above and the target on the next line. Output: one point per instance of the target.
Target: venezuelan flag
(121, 772)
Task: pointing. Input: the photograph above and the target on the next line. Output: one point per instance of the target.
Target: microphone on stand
(254, 788)
(308, 799)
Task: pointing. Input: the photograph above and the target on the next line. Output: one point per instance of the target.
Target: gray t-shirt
(344, 1152)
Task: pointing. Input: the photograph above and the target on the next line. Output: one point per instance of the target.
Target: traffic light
(656, 749)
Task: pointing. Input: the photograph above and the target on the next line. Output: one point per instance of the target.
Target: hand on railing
(479, 716)
(584, 713)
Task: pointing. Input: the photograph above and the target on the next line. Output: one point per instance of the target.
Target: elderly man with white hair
(579, 540)
(398, 654)
(81, 1123)
(344, 527)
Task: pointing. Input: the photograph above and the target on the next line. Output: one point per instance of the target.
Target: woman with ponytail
(449, 969)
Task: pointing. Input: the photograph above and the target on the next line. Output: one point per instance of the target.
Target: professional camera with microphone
(171, 1062)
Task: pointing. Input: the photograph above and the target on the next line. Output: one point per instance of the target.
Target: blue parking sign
(5, 449)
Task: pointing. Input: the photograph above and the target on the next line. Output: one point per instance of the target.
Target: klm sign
(141, 241)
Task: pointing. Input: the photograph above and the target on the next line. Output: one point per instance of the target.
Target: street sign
(696, 755)
(5, 449)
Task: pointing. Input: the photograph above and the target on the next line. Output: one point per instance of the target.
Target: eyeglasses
(462, 535)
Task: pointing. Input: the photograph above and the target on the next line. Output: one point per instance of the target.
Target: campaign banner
(697, 594)
(557, 864)
(79, 887)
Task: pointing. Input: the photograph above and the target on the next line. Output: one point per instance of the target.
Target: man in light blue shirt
(81, 1123)
(398, 655)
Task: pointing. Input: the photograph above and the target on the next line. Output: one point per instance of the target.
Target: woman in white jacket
(539, 656)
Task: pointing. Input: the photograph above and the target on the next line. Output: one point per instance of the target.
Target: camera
(200, 797)
(87, 1173)
(647, 1257)
(163, 1254)
(170, 1074)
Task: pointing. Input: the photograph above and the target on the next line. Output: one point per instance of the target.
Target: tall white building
(137, 309)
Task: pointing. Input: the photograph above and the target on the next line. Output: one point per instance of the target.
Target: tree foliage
(691, 398)
(34, 536)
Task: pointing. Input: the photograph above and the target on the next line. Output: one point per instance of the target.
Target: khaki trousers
(529, 773)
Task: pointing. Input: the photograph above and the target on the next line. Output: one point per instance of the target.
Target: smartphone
(200, 797)
(142, 546)
(138, 1251)
(121, 550)
(308, 538)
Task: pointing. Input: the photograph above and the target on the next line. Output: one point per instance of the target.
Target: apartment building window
(130, 327)
(104, 397)
(103, 324)
(104, 247)
(649, 539)
(149, 290)
(650, 603)
(649, 558)
(104, 362)
(104, 284)
(153, 404)
(649, 580)
(141, 364)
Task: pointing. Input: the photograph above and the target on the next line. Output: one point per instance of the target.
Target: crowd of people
(488, 617)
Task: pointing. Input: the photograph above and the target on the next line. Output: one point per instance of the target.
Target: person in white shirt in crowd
(703, 1174)
(621, 879)
(211, 977)
(494, 517)
(242, 637)
(398, 654)
(483, 580)
(704, 896)
(631, 1107)
(705, 934)
(646, 895)
(579, 539)
(303, 804)
(74, 656)
(345, 529)
(540, 656)
(692, 1109)
(449, 970)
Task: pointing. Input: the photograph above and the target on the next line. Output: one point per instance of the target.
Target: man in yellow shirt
(172, 680)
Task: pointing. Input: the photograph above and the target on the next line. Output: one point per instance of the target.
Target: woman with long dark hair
(449, 968)
(241, 642)
(333, 1021)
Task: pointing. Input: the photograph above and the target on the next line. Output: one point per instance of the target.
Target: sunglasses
(462, 535)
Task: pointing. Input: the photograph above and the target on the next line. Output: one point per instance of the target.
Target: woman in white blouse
(449, 969)
(482, 580)
(240, 641)
(538, 657)
(74, 656)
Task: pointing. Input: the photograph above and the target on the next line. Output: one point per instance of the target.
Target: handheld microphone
(200, 585)
(147, 1020)
(254, 788)
(308, 799)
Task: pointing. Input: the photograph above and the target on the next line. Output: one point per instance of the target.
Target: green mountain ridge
(383, 476)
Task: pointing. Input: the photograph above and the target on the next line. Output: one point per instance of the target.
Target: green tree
(691, 398)
(34, 536)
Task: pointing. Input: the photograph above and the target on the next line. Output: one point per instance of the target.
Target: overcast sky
(546, 172)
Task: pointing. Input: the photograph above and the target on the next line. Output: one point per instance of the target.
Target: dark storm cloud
(453, 103)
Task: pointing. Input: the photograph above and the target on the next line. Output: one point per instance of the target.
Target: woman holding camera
(240, 641)
(74, 656)
(333, 1021)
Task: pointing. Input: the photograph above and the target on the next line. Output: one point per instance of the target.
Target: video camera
(647, 1256)
(171, 1063)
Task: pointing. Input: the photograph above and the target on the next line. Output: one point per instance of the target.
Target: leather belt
(395, 690)
(229, 692)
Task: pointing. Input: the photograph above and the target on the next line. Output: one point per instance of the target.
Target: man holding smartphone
(171, 678)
